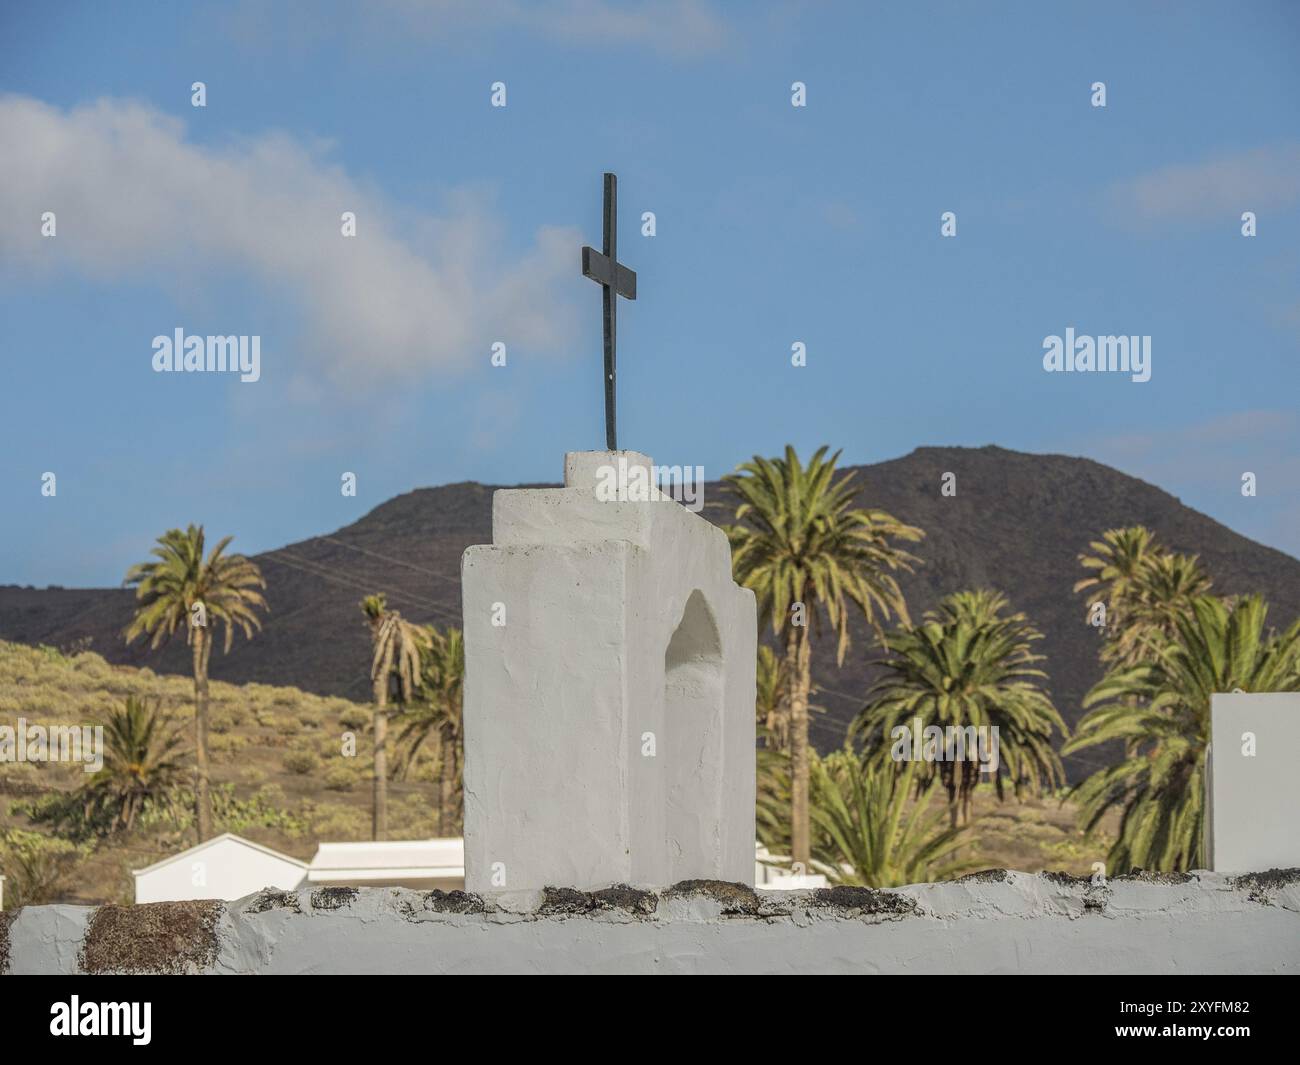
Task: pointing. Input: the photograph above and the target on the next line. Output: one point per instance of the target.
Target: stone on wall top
(583, 469)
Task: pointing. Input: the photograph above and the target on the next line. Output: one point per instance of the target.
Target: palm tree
(396, 646)
(968, 664)
(39, 868)
(1117, 563)
(772, 725)
(1161, 710)
(1150, 588)
(866, 837)
(438, 713)
(772, 690)
(1167, 585)
(802, 546)
(772, 800)
(141, 767)
(772, 777)
(1143, 587)
(181, 589)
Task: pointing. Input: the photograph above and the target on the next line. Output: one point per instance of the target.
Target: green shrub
(219, 722)
(354, 717)
(38, 869)
(300, 761)
(227, 744)
(270, 796)
(340, 778)
(333, 821)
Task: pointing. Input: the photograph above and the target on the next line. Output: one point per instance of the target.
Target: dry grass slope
(278, 750)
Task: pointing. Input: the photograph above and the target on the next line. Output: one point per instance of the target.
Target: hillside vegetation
(277, 765)
(1017, 523)
(281, 780)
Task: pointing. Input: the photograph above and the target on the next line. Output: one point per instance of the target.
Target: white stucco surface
(1253, 801)
(609, 711)
(990, 923)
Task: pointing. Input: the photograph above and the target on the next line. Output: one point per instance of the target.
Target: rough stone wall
(985, 923)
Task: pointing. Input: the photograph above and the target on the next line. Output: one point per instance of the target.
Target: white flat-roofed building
(772, 877)
(424, 864)
(226, 867)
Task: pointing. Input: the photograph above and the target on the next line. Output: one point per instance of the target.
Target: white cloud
(135, 201)
(1205, 461)
(1211, 450)
(1227, 185)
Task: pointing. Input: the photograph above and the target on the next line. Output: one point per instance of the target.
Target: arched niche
(693, 732)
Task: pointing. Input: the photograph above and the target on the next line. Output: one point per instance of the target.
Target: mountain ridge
(1016, 523)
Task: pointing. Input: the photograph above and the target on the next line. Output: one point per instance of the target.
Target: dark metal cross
(615, 280)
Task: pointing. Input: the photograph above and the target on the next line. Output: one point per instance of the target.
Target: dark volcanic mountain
(1017, 523)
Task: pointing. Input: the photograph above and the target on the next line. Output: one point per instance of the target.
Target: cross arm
(596, 266)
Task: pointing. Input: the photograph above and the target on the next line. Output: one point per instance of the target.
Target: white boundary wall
(988, 923)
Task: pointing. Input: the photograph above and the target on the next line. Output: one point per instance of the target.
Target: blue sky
(775, 224)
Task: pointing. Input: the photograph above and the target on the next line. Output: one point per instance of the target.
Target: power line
(395, 561)
(294, 613)
(362, 583)
(838, 694)
(312, 572)
(317, 569)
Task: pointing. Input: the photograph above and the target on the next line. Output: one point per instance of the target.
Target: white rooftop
(224, 867)
(406, 859)
(209, 844)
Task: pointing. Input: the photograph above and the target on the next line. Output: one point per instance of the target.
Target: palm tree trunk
(778, 722)
(948, 777)
(202, 796)
(458, 788)
(460, 785)
(798, 657)
(379, 822)
(446, 778)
